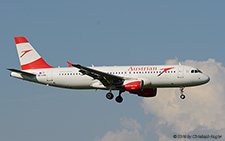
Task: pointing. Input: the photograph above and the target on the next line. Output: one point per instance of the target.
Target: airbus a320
(139, 80)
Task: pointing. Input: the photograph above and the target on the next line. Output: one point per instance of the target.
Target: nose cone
(205, 79)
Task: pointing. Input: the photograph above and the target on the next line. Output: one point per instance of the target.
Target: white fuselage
(153, 76)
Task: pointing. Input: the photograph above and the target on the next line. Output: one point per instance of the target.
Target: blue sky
(102, 33)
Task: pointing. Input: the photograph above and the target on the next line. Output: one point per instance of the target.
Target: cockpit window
(196, 71)
(199, 71)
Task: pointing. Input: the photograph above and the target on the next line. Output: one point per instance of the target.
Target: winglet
(69, 64)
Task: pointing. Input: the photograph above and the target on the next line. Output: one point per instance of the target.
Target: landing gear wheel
(119, 99)
(182, 96)
(109, 95)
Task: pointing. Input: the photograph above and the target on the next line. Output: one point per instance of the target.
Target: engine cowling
(134, 85)
(147, 92)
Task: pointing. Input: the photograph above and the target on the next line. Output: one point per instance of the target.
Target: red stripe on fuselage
(20, 40)
(165, 69)
(38, 64)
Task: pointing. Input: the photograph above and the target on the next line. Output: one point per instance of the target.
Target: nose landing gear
(182, 96)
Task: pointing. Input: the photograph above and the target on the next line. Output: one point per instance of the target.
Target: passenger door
(180, 73)
(49, 76)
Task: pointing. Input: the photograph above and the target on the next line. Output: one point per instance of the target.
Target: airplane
(142, 80)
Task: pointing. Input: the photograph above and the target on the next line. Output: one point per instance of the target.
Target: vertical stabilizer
(28, 56)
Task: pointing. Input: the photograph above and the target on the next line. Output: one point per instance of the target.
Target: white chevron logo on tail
(25, 52)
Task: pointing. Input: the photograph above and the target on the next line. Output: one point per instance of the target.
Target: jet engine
(137, 87)
(146, 92)
(133, 85)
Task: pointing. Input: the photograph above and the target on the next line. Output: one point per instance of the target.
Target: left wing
(105, 78)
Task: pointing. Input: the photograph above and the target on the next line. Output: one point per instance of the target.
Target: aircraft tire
(119, 99)
(109, 95)
(182, 96)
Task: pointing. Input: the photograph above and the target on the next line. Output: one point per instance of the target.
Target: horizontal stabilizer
(21, 72)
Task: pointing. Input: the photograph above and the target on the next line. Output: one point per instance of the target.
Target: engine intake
(134, 85)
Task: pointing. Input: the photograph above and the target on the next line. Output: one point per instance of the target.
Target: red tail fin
(29, 58)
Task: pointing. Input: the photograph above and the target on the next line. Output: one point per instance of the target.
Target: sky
(109, 33)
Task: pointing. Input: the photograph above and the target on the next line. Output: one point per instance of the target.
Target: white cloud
(130, 132)
(201, 113)
(203, 110)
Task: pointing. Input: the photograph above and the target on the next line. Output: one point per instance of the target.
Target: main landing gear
(182, 96)
(119, 98)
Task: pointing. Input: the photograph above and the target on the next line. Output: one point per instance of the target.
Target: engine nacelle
(147, 92)
(134, 85)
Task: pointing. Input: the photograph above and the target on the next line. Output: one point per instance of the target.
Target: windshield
(196, 71)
